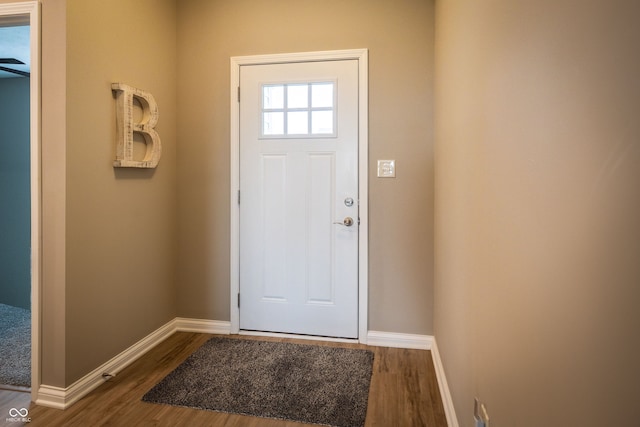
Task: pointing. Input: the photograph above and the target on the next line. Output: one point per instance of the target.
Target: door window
(298, 110)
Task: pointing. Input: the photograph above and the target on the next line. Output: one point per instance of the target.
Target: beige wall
(53, 146)
(120, 245)
(119, 225)
(121, 235)
(53, 131)
(538, 209)
(399, 36)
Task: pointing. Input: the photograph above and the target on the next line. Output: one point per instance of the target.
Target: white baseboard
(398, 340)
(62, 398)
(447, 401)
(203, 326)
(52, 397)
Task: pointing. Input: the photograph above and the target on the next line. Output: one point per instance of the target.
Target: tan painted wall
(399, 36)
(110, 261)
(53, 142)
(53, 113)
(538, 209)
(120, 223)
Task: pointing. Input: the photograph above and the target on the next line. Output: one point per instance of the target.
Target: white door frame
(30, 12)
(361, 55)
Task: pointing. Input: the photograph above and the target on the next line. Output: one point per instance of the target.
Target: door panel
(274, 228)
(298, 268)
(320, 245)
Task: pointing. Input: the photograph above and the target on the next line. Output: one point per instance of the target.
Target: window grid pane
(298, 96)
(298, 109)
(273, 97)
(322, 95)
(273, 123)
(322, 122)
(297, 123)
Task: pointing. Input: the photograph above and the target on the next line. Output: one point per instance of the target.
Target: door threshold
(296, 336)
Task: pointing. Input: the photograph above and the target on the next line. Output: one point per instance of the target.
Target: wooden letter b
(125, 127)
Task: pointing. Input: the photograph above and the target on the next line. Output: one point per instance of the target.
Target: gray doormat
(306, 383)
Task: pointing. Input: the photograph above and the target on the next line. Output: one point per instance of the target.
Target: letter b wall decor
(126, 126)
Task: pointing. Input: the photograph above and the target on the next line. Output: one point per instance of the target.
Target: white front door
(299, 198)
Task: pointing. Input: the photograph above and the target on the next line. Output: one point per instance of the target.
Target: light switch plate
(386, 168)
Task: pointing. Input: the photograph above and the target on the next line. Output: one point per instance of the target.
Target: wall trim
(62, 398)
(447, 400)
(52, 397)
(202, 326)
(399, 340)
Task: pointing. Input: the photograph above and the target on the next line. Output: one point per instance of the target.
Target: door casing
(361, 55)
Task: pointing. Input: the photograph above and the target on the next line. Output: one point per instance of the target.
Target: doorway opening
(20, 191)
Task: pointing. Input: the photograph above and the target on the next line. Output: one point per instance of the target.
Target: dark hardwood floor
(404, 392)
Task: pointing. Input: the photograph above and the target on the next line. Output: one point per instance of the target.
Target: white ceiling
(14, 43)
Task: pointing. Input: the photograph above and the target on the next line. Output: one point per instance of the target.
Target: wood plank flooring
(403, 392)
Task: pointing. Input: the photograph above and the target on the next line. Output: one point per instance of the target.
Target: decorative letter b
(125, 127)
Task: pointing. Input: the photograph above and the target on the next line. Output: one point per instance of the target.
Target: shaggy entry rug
(306, 383)
(15, 346)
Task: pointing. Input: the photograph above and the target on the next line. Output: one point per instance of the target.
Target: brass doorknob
(347, 222)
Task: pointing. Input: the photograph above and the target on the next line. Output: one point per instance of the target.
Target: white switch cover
(386, 168)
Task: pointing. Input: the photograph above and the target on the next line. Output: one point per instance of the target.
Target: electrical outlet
(480, 415)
